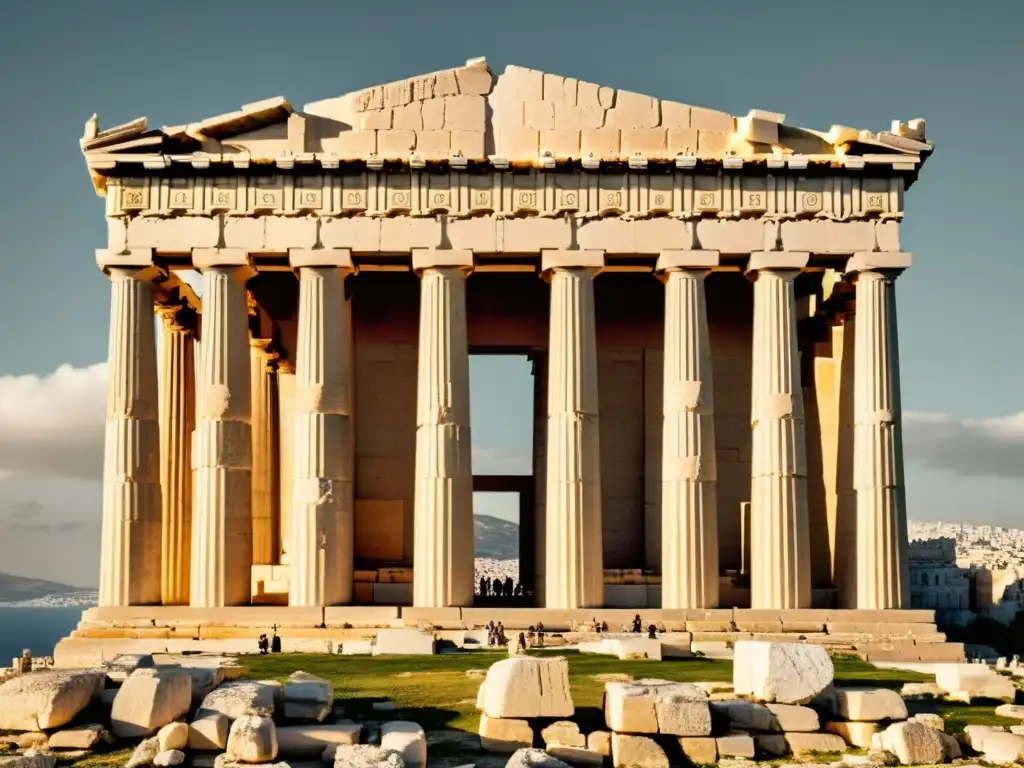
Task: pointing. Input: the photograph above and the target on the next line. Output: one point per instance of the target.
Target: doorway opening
(501, 388)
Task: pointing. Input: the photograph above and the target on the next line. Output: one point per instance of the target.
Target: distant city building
(936, 581)
(989, 559)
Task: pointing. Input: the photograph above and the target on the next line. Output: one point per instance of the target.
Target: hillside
(495, 538)
(13, 588)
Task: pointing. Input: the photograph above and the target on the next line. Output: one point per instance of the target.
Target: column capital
(791, 261)
(428, 258)
(205, 258)
(321, 257)
(285, 366)
(266, 348)
(170, 314)
(138, 259)
(893, 262)
(552, 259)
(676, 260)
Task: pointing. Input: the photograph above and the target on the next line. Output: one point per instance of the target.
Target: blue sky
(959, 65)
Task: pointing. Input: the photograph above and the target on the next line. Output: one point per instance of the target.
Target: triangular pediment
(522, 117)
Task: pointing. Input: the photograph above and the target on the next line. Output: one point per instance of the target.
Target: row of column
(164, 541)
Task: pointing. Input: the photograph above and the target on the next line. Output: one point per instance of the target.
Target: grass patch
(435, 691)
(852, 670)
(113, 759)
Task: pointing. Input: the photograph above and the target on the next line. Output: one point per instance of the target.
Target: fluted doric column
(443, 503)
(882, 579)
(574, 567)
(323, 518)
(222, 448)
(285, 456)
(130, 555)
(689, 529)
(177, 420)
(780, 539)
(263, 391)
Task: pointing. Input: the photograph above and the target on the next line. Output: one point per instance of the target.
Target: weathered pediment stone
(407, 739)
(173, 736)
(122, 665)
(241, 697)
(473, 114)
(534, 758)
(366, 756)
(787, 673)
(913, 743)
(252, 739)
(657, 706)
(630, 751)
(84, 737)
(307, 742)
(208, 731)
(40, 701)
(148, 700)
(527, 687)
(869, 704)
(307, 697)
(504, 734)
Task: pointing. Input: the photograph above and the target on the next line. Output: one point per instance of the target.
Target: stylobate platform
(907, 635)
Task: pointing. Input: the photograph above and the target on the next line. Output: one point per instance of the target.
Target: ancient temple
(709, 303)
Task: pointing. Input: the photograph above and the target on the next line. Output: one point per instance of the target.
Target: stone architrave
(285, 455)
(177, 420)
(574, 569)
(780, 537)
(130, 554)
(222, 445)
(265, 532)
(443, 501)
(323, 523)
(882, 576)
(689, 528)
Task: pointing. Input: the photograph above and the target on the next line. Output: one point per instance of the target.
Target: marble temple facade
(709, 303)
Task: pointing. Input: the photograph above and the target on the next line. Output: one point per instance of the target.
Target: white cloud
(500, 461)
(53, 425)
(967, 447)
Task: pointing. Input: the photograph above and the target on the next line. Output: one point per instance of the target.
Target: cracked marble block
(130, 572)
(322, 522)
(443, 497)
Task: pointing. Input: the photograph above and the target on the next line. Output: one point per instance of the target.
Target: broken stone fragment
(787, 673)
(41, 701)
(526, 686)
(148, 700)
(534, 758)
(252, 739)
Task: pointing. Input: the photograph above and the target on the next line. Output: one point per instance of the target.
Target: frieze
(628, 195)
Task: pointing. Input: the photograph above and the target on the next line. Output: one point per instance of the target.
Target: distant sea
(37, 628)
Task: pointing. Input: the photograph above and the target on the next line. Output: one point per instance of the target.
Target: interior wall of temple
(385, 319)
(510, 310)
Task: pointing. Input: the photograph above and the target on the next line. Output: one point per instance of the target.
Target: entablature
(781, 195)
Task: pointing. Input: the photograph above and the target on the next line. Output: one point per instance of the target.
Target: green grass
(113, 759)
(436, 692)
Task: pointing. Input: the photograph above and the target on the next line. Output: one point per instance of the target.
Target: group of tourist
(534, 636)
(273, 645)
(499, 588)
